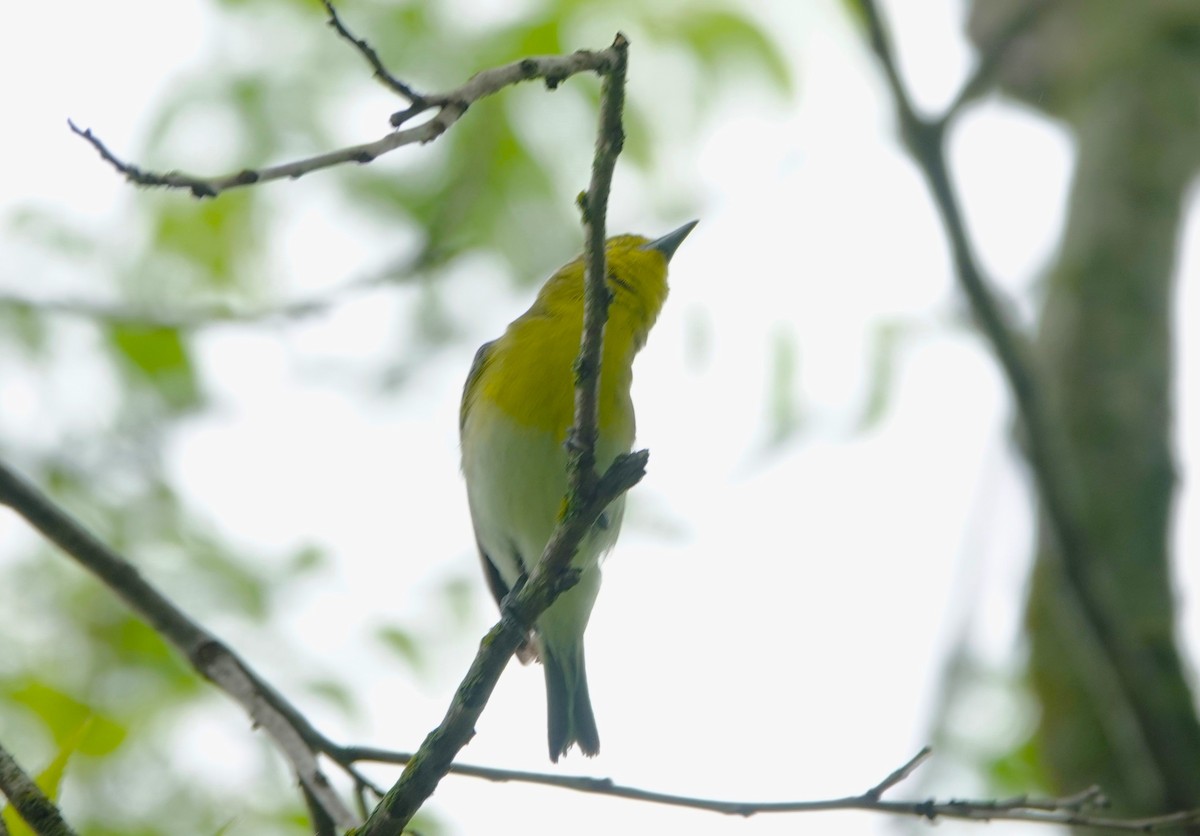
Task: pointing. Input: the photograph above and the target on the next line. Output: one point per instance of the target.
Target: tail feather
(568, 706)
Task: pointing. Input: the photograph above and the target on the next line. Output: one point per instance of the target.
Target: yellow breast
(530, 376)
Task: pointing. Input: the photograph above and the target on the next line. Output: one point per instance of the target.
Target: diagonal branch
(587, 499)
(38, 811)
(450, 106)
(907, 768)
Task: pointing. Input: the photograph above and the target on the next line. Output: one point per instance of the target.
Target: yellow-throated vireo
(517, 407)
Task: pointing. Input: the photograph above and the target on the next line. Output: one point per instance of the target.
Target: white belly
(516, 480)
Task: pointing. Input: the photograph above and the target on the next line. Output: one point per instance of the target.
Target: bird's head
(637, 279)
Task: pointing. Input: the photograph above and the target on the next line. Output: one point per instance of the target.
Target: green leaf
(784, 412)
(232, 579)
(403, 644)
(212, 236)
(639, 147)
(26, 326)
(334, 693)
(49, 780)
(542, 38)
(718, 36)
(135, 645)
(158, 357)
(886, 342)
(425, 824)
(49, 231)
(1019, 770)
(305, 561)
(459, 595)
(14, 824)
(63, 715)
(856, 14)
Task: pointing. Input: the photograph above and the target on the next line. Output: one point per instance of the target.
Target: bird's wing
(495, 583)
(482, 357)
(527, 651)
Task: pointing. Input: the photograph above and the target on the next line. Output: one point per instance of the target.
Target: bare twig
(207, 654)
(901, 774)
(381, 72)
(450, 107)
(1075, 809)
(610, 138)
(588, 498)
(38, 811)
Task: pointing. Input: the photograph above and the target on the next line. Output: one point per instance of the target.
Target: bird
(516, 413)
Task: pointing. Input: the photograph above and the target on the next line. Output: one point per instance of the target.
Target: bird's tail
(568, 706)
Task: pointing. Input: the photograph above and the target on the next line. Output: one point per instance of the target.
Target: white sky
(774, 622)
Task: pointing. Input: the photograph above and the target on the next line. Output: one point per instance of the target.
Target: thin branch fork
(381, 72)
(449, 107)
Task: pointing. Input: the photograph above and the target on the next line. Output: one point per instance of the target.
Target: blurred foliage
(157, 359)
(402, 643)
(1020, 769)
(81, 678)
(984, 722)
(785, 413)
(887, 342)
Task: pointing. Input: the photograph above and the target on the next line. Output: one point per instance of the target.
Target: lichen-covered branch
(610, 138)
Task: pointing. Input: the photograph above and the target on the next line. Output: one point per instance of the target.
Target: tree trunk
(1117, 708)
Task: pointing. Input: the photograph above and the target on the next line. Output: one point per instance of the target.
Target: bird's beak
(669, 243)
